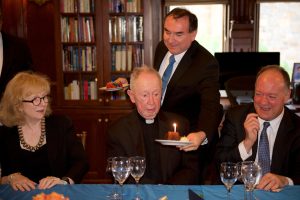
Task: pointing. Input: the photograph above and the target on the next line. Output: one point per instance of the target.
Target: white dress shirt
(271, 132)
(164, 65)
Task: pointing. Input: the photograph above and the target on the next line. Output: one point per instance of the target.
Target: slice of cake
(172, 135)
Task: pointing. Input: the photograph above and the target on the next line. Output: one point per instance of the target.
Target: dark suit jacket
(193, 90)
(16, 58)
(65, 152)
(286, 152)
(125, 138)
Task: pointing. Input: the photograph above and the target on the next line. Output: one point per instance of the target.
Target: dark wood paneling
(40, 28)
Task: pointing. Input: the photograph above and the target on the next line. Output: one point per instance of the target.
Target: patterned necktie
(167, 73)
(263, 150)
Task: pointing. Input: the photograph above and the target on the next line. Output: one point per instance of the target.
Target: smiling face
(146, 94)
(176, 36)
(271, 94)
(32, 112)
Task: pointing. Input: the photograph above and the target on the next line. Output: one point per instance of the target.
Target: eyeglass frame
(45, 98)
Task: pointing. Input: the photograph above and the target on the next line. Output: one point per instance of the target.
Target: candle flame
(174, 127)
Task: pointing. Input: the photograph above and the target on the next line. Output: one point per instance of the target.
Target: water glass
(138, 164)
(121, 169)
(251, 173)
(228, 174)
(114, 195)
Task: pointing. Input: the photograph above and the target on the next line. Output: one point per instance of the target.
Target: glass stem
(248, 195)
(137, 188)
(115, 187)
(228, 195)
(121, 197)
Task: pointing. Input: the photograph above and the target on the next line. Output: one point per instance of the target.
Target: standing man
(14, 56)
(193, 88)
(265, 131)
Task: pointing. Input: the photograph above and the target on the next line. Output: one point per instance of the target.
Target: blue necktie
(167, 73)
(263, 150)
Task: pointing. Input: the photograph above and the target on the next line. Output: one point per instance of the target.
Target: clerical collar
(149, 121)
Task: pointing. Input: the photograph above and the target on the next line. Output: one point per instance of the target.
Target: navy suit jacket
(16, 58)
(125, 138)
(286, 152)
(193, 90)
(66, 155)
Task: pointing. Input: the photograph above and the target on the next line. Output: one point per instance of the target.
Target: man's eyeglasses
(37, 100)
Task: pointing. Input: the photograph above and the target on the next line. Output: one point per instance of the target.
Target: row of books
(79, 58)
(126, 58)
(81, 90)
(117, 29)
(73, 6)
(75, 29)
(118, 6)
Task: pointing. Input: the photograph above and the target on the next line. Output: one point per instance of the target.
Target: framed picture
(296, 73)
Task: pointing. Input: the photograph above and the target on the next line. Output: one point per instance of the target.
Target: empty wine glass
(114, 195)
(251, 172)
(228, 174)
(121, 169)
(138, 164)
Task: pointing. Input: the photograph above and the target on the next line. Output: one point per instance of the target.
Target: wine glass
(138, 164)
(251, 172)
(114, 195)
(228, 174)
(121, 169)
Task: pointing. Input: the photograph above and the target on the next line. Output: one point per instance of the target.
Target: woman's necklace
(41, 140)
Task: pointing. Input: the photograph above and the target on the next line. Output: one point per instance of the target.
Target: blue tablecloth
(150, 192)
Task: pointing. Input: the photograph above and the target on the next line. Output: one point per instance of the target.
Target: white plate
(173, 142)
(113, 89)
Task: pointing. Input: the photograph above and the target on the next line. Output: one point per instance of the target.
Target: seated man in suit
(135, 134)
(265, 126)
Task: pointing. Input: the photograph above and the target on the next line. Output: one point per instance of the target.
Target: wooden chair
(82, 137)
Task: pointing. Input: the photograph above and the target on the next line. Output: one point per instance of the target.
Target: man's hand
(251, 126)
(196, 138)
(272, 182)
(121, 80)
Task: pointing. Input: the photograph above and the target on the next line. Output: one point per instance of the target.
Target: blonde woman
(37, 149)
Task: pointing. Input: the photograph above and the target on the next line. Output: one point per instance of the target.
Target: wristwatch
(65, 180)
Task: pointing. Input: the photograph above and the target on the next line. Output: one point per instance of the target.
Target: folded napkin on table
(194, 196)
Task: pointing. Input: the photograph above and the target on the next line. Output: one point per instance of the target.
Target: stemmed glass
(121, 169)
(251, 173)
(138, 164)
(228, 174)
(114, 194)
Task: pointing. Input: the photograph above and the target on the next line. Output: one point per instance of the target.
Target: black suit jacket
(16, 58)
(286, 152)
(66, 155)
(193, 90)
(125, 138)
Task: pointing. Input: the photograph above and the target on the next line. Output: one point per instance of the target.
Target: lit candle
(174, 127)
